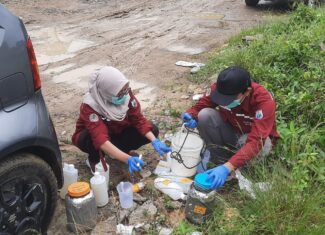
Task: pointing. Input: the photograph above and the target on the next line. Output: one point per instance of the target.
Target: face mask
(233, 104)
(119, 100)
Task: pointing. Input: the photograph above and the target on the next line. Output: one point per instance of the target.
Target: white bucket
(190, 153)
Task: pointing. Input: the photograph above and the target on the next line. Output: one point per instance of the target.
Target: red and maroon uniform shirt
(255, 116)
(100, 129)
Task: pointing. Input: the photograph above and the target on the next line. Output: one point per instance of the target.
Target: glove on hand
(188, 120)
(134, 164)
(218, 176)
(160, 147)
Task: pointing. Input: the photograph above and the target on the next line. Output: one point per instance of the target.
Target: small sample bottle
(138, 187)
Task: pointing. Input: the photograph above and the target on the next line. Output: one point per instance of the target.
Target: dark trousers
(129, 139)
(220, 137)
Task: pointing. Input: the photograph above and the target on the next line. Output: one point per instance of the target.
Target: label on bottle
(200, 210)
(186, 180)
(166, 182)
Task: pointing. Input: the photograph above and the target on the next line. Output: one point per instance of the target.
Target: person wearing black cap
(234, 107)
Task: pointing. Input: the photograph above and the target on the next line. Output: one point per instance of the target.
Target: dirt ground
(143, 38)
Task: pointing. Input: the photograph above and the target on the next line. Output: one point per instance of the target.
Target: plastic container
(70, 175)
(99, 187)
(191, 145)
(200, 200)
(125, 192)
(184, 183)
(80, 207)
(100, 168)
(170, 188)
(138, 187)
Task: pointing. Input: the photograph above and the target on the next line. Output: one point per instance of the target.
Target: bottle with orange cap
(81, 208)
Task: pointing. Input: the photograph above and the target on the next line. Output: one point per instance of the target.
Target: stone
(143, 213)
(249, 39)
(138, 198)
(165, 231)
(194, 70)
(105, 227)
(145, 174)
(176, 204)
(124, 213)
(185, 97)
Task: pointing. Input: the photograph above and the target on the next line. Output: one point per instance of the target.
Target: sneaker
(91, 167)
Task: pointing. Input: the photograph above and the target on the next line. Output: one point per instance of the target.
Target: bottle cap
(201, 180)
(71, 167)
(78, 189)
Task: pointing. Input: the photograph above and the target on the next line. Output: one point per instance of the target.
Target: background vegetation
(288, 58)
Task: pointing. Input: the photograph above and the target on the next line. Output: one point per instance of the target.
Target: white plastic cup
(125, 192)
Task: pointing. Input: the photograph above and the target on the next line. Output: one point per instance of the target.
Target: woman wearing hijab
(111, 122)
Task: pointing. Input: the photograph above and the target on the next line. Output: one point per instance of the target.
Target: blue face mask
(119, 100)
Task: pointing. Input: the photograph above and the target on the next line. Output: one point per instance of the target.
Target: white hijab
(104, 84)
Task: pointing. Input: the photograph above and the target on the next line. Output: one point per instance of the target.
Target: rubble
(105, 227)
(143, 213)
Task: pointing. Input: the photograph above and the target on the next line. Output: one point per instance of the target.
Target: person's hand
(218, 176)
(160, 147)
(134, 164)
(188, 120)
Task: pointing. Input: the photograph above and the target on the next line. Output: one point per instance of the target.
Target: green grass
(289, 60)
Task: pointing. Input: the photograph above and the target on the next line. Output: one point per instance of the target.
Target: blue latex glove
(160, 147)
(134, 164)
(218, 176)
(188, 120)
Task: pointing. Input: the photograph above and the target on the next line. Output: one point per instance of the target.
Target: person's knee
(207, 116)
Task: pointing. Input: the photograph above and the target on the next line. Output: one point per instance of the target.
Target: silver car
(30, 159)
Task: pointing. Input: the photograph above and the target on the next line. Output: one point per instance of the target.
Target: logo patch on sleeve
(259, 114)
(134, 103)
(93, 117)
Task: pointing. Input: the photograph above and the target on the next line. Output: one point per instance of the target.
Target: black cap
(230, 83)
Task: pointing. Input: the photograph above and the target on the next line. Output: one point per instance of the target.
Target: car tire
(251, 3)
(28, 195)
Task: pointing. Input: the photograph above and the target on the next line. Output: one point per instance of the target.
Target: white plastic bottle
(99, 187)
(70, 175)
(170, 188)
(100, 168)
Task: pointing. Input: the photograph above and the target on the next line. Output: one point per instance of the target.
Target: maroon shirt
(255, 116)
(100, 129)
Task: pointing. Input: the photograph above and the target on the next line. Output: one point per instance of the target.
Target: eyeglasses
(123, 92)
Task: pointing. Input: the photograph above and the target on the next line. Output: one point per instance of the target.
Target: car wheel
(251, 3)
(28, 195)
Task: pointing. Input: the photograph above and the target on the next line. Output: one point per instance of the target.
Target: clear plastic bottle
(99, 187)
(170, 188)
(70, 175)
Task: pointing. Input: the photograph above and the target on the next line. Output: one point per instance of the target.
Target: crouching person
(234, 109)
(111, 122)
